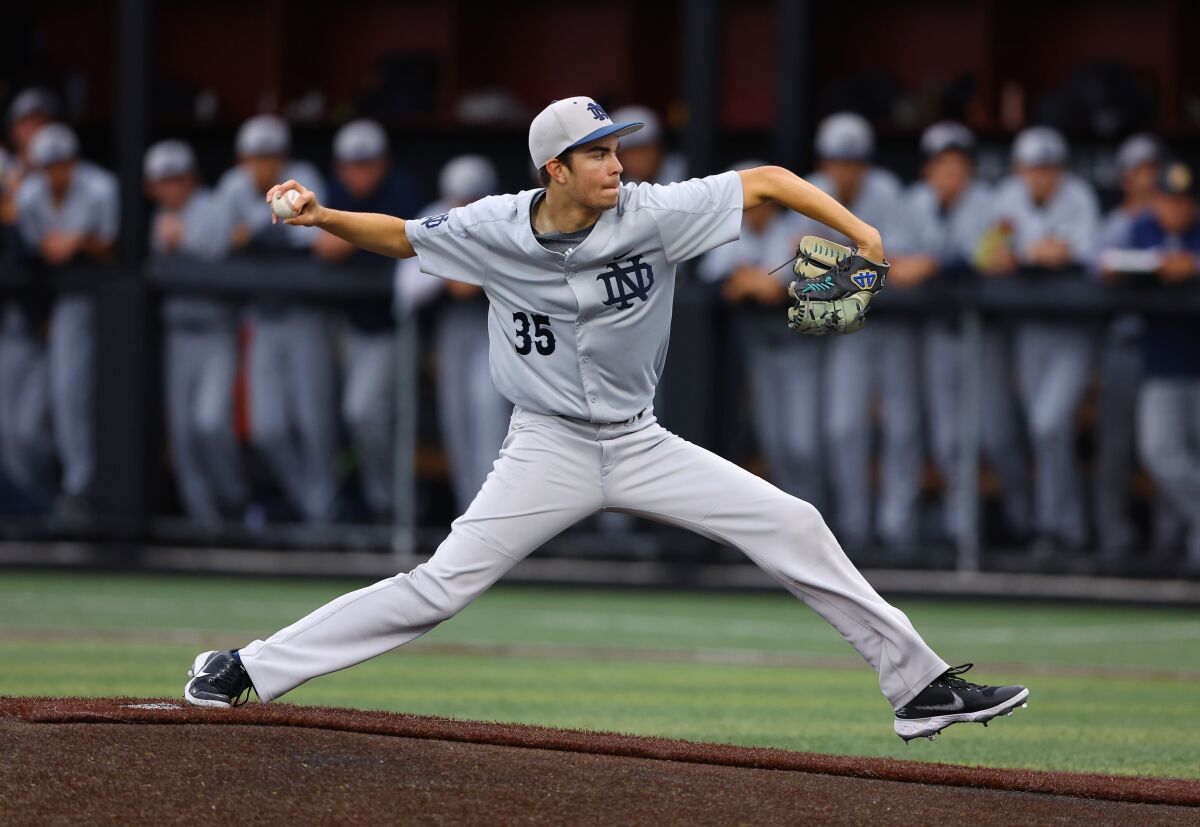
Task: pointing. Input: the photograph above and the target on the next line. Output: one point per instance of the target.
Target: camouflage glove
(833, 288)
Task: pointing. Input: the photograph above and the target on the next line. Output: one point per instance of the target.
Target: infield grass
(1113, 689)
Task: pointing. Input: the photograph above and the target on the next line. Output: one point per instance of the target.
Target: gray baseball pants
(201, 367)
(369, 411)
(1054, 360)
(1168, 436)
(292, 406)
(881, 359)
(553, 472)
(72, 378)
(26, 441)
(472, 414)
(785, 373)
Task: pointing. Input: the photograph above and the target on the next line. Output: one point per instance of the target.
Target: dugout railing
(128, 402)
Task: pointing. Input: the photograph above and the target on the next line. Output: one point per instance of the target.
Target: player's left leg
(655, 474)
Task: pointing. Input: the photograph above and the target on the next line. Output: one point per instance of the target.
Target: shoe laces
(232, 680)
(952, 678)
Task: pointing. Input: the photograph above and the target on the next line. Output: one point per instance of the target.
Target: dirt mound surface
(79, 759)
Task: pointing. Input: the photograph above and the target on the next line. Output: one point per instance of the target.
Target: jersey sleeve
(445, 246)
(695, 216)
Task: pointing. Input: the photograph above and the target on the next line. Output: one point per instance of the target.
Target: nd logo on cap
(569, 123)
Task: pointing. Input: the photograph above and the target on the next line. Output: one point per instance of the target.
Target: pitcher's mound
(80, 760)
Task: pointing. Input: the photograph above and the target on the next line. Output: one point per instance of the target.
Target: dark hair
(544, 174)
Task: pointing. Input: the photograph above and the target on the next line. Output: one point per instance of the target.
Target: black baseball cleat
(952, 700)
(217, 679)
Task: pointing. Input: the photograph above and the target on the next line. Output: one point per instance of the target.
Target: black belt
(629, 421)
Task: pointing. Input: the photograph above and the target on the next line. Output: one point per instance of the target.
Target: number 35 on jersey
(533, 330)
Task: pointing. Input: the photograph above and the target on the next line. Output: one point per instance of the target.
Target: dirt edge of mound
(1127, 789)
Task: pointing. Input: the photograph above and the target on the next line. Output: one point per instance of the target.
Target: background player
(580, 276)
(201, 337)
(290, 364)
(880, 361)
(472, 415)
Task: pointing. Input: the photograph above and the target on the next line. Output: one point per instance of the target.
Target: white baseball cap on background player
(1137, 150)
(360, 140)
(263, 135)
(1040, 146)
(33, 101)
(168, 159)
(845, 136)
(651, 131)
(467, 178)
(945, 136)
(53, 143)
(568, 123)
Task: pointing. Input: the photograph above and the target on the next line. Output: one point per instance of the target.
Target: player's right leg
(547, 478)
(658, 475)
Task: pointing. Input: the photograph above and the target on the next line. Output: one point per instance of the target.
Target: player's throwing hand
(305, 208)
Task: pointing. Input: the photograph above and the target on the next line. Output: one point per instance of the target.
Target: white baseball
(282, 204)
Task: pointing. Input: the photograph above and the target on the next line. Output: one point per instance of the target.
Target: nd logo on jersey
(625, 281)
(865, 279)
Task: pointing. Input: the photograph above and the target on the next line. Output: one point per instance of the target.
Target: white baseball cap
(651, 131)
(568, 123)
(946, 135)
(263, 135)
(1137, 150)
(845, 136)
(167, 159)
(467, 178)
(53, 143)
(361, 140)
(1040, 146)
(35, 100)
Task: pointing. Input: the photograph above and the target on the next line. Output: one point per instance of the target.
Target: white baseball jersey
(246, 203)
(1072, 214)
(92, 205)
(582, 334)
(923, 227)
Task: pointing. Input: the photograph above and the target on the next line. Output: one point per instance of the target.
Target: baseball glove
(833, 288)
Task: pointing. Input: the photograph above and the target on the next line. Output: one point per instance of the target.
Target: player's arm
(790, 190)
(382, 234)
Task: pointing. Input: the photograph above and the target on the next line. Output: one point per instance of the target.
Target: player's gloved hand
(833, 288)
(305, 206)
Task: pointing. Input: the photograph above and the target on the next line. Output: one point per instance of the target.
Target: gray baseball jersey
(875, 203)
(921, 227)
(1072, 214)
(92, 205)
(245, 202)
(582, 334)
(775, 246)
(207, 226)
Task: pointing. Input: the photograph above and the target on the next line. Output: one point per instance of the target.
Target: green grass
(1112, 689)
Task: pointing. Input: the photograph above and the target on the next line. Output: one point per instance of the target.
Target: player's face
(948, 175)
(172, 193)
(264, 170)
(1041, 180)
(23, 130)
(361, 178)
(1176, 213)
(845, 175)
(594, 177)
(59, 176)
(1138, 183)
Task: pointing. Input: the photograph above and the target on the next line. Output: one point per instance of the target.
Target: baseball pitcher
(579, 275)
